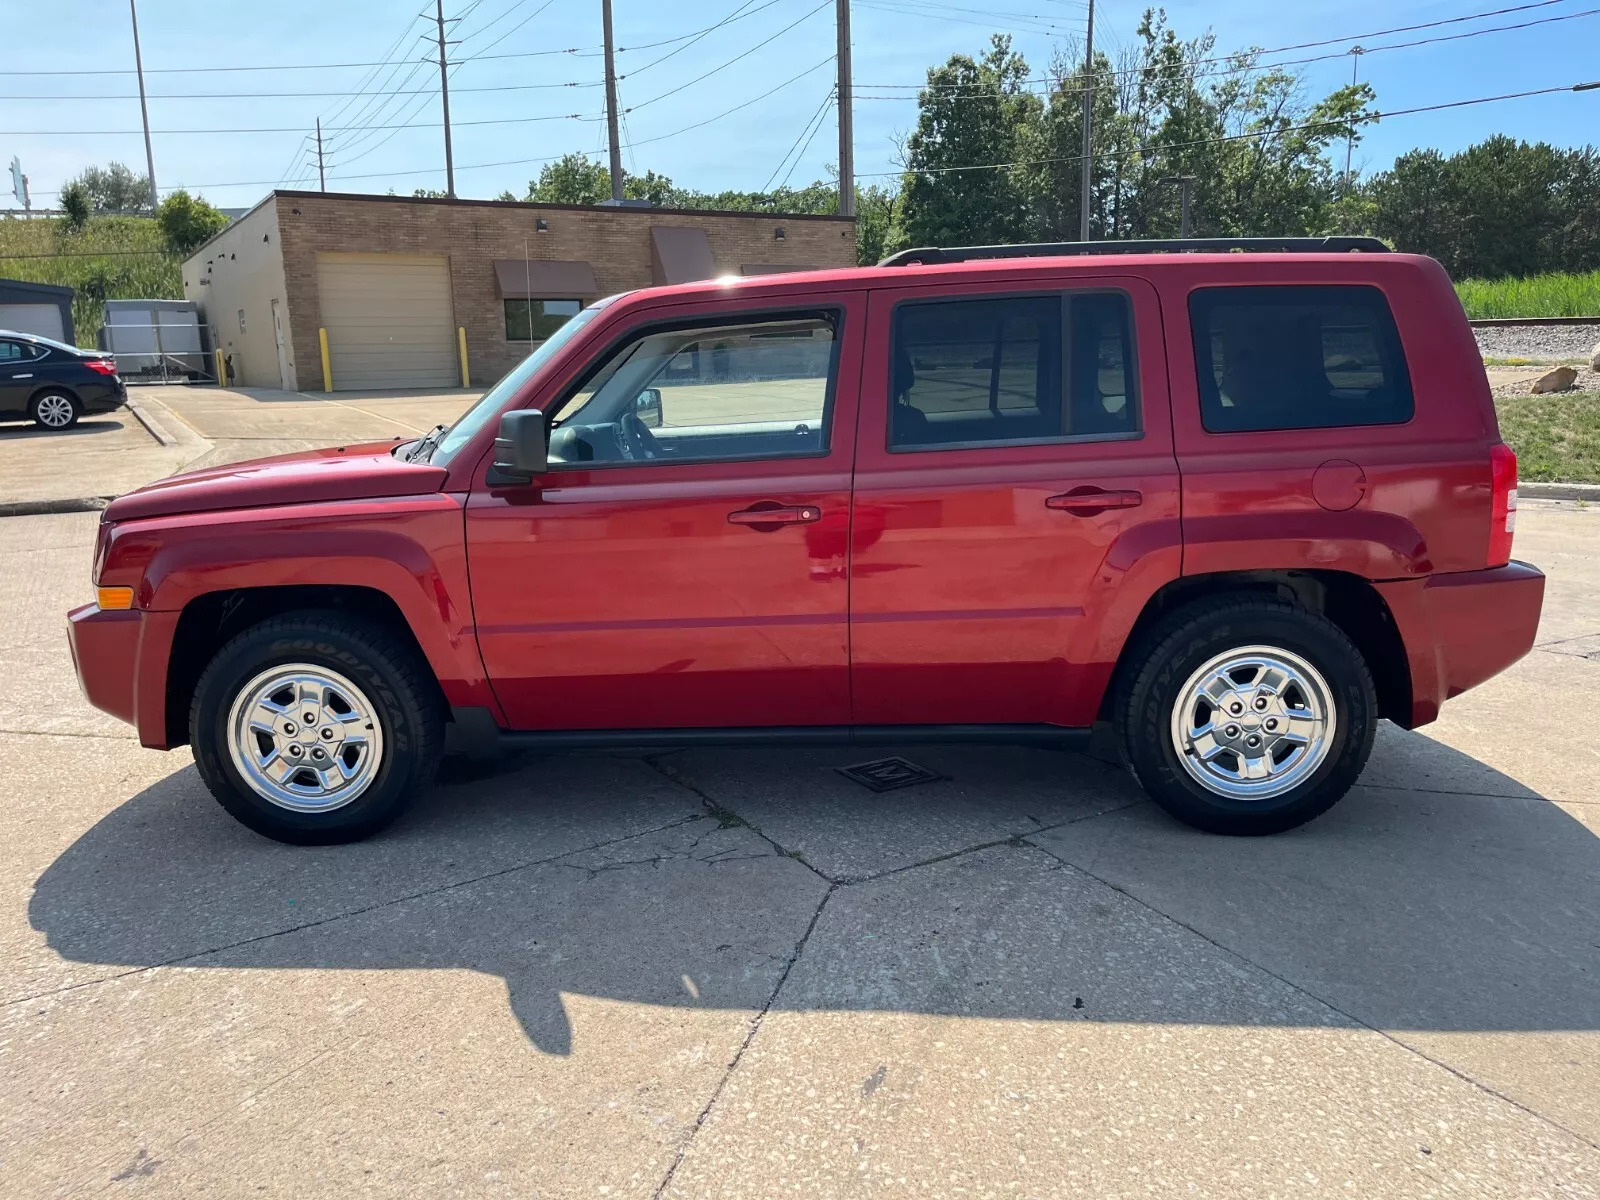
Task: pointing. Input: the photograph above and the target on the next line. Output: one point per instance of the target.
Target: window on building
(757, 389)
(1011, 371)
(535, 320)
(1298, 358)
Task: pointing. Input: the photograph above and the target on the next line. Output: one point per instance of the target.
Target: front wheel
(315, 728)
(1247, 716)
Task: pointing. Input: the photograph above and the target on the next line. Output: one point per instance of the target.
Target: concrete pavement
(185, 428)
(736, 974)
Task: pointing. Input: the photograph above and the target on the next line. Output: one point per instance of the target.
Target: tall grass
(111, 258)
(1536, 296)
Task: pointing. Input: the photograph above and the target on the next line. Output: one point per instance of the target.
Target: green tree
(75, 202)
(972, 116)
(1499, 208)
(115, 189)
(572, 179)
(187, 221)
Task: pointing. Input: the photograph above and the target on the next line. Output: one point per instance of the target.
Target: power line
(737, 107)
(1150, 147)
(815, 129)
(814, 119)
(289, 128)
(737, 14)
(510, 31)
(1271, 66)
(736, 59)
(294, 66)
(706, 32)
(1354, 37)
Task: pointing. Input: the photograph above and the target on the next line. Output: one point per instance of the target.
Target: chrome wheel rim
(55, 411)
(304, 738)
(1253, 723)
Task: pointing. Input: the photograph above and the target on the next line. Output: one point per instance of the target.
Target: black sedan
(54, 384)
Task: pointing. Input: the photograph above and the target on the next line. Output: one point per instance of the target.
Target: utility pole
(611, 100)
(1185, 193)
(144, 110)
(1088, 132)
(847, 147)
(444, 97)
(1350, 138)
(322, 176)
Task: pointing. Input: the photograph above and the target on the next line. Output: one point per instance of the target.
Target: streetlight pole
(1088, 121)
(847, 149)
(611, 100)
(144, 110)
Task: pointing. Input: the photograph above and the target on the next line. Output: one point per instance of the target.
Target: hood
(312, 476)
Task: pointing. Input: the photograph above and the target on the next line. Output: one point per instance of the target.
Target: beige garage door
(388, 319)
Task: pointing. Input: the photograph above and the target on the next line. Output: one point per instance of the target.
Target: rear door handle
(1085, 501)
(776, 515)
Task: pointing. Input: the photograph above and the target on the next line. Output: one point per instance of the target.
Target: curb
(1530, 322)
(1559, 491)
(153, 427)
(41, 508)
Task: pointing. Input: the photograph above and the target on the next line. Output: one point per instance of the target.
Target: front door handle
(1086, 501)
(771, 516)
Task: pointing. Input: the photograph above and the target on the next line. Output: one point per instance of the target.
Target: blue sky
(895, 41)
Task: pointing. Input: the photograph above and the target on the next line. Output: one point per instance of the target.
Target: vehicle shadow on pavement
(85, 427)
(1440, 895)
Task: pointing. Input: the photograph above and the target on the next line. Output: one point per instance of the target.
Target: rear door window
(1298, 358)
(1011, 371)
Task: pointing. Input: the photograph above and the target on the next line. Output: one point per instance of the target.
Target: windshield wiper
(424, 448)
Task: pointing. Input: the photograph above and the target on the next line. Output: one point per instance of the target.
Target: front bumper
(121, 660)
(1462, 628)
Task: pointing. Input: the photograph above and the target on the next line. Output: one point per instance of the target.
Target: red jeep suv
(1238, 505)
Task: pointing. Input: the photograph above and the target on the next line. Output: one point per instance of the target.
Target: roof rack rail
(931, 255)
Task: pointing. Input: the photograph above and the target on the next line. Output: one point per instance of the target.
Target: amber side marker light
(114, 597)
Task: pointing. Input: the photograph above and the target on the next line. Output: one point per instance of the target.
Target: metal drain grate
(886, 774)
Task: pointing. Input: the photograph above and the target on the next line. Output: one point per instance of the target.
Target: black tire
(1177, 647)
(47, 398)
(393, 676)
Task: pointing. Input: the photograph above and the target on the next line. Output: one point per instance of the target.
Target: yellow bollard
(327, 366)
(222, 369)
(461, 341)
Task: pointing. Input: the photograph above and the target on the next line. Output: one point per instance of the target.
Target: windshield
(497, 397)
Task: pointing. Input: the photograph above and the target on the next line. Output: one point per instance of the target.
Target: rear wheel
(55, 410)
(1246, 715)
(314, 728)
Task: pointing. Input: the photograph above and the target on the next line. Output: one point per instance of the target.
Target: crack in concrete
(750, 1034)
(1309, 994)
(727, 818)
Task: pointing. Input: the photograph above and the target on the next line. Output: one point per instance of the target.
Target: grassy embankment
(111, 258)
(1536, 296)
(1557, 438)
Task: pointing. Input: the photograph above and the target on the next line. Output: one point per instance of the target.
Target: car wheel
(1247, 715)
(316, 728)
(54, 410)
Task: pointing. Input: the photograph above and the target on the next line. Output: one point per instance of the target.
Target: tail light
(103, 365)
(1503, 510)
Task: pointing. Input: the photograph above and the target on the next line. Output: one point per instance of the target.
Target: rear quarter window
(1309, 357)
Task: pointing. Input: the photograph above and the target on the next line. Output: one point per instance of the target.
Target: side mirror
(648, 408)
(522, 446)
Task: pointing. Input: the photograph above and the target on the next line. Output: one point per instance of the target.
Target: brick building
(392, 279)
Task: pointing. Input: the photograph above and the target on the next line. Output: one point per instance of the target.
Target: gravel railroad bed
(1540, 342)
